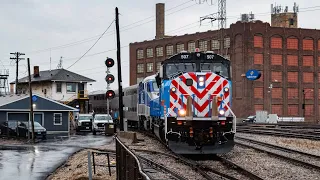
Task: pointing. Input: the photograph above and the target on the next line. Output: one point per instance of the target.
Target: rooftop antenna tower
(4, 84)
(221, 17)
(60, 64)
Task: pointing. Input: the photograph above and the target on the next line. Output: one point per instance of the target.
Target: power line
(92, 45)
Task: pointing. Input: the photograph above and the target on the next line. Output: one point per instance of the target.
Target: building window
(140, 68)
(215, 45)
(159, 51)
(227, 56)
(139, 79)
(308, 93)
(258, 41)
(293, 77)
(309, 110)
(307, 44)
(71, 87)
(293, 110)
(308, 77)
(59, 87)
(307, 61)
(258, 93)
(191, 46)
(292, 43)
(258, 59)
(277, 93)
(276, 42)
(158, 66)
(57, 119)
(276, 76)
(292, 60)
(149, 52)
(140, 54)
(149, 67)
(293, 93)
(180, 47)
(203, 45)
(169, 50)
(276, 59)
(227, 42)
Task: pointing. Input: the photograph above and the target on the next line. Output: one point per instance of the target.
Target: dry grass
(76, 167)
(6, 140)
(300, 143)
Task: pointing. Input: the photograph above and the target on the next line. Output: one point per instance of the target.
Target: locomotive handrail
(234, 119)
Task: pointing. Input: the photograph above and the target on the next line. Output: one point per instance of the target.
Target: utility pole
(119, 71)
(17, 59)
(31, 103)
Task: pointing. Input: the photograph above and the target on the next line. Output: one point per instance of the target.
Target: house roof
(11, 102)
(56, 75)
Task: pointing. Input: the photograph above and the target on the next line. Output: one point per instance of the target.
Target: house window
(149, 67)
(57, 119)
(59, 87)
(140, 54)
(140, 68)
(159, 51)
(149, 52)
(71, 87)
(169, 49)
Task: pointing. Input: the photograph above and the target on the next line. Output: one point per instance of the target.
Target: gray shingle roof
(56, 75)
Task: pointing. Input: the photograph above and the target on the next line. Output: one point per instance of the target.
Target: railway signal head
(110, 94)
(109, 78)
(109, 62)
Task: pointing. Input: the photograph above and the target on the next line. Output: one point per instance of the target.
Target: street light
(304, 101)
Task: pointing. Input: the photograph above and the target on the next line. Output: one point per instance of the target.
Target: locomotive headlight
(173, 89)
(221, 112)
(226, 89)
(201, 83)
(201, 79)
(182, 112)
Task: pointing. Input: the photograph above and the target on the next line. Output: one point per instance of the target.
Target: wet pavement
(43, 158)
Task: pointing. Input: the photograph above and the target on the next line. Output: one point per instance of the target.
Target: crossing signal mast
(109, 79)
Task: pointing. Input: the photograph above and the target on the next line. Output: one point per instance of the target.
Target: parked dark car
(251, 119)
(12, 129)
(25, 127)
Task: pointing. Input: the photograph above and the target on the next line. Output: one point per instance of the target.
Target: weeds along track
(298, 157)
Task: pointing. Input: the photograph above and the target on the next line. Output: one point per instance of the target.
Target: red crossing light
(109, 62)
(110, 94)
(109, 78)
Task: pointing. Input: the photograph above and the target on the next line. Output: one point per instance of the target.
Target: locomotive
(187, 104)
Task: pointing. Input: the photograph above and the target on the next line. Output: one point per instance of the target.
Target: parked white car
(99, 121)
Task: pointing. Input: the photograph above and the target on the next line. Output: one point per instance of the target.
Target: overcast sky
(70, 28)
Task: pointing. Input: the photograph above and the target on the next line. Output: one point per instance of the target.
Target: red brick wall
(309, 110)
(258, 59)
(275, 75)
(276, 42)
(258, 92)
(293, 93)
(307, 60)
(276, 59)
(307, 44)
(277, 93)
(292, 60)
(292, 43)
(293, 110)
(308, 77)
(308, 93)
(277, 109)
(258, 107)
(292, 76)
(258, 41)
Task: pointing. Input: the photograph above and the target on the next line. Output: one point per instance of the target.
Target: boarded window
(307, 60)
(277, 93)
(308, 44)
(258, 59)
(308, 93)
(293, 77)
(293, 110)
(293, 93)
(258, 93)
(277, 109)
(258, 107)
(309, 110)
(308, 77)
(258, 41)
(292, 43)
(276, 59)
(169, 50)
(292, 60)
(203, 45)
(276, 42)
(276, 76)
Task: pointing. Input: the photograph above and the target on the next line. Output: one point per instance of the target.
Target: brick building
(289, 59)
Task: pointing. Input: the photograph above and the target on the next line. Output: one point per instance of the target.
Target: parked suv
(84, 122)
(99, 122)
(251, 119)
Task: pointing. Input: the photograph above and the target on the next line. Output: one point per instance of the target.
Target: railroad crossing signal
(109, 79)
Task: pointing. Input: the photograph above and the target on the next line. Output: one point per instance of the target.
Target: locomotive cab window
(175, 68)
(218, 68)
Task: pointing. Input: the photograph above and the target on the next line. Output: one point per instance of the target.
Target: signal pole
(17, 59)
(119, 71)
(31, 103)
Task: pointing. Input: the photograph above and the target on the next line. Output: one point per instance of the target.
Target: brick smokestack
(36, 71)
(159, 20)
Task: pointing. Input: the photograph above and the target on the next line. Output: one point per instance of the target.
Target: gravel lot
(5, 140)
(306, 145)
(269, 167)
(76, 167)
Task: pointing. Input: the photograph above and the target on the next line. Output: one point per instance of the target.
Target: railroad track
(277, 133)
(202, 169)
(294, 156)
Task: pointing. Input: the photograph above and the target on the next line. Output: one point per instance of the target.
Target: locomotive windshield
(174, 68)
(219, 68)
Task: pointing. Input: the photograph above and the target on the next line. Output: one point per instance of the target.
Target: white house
(57, 84)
